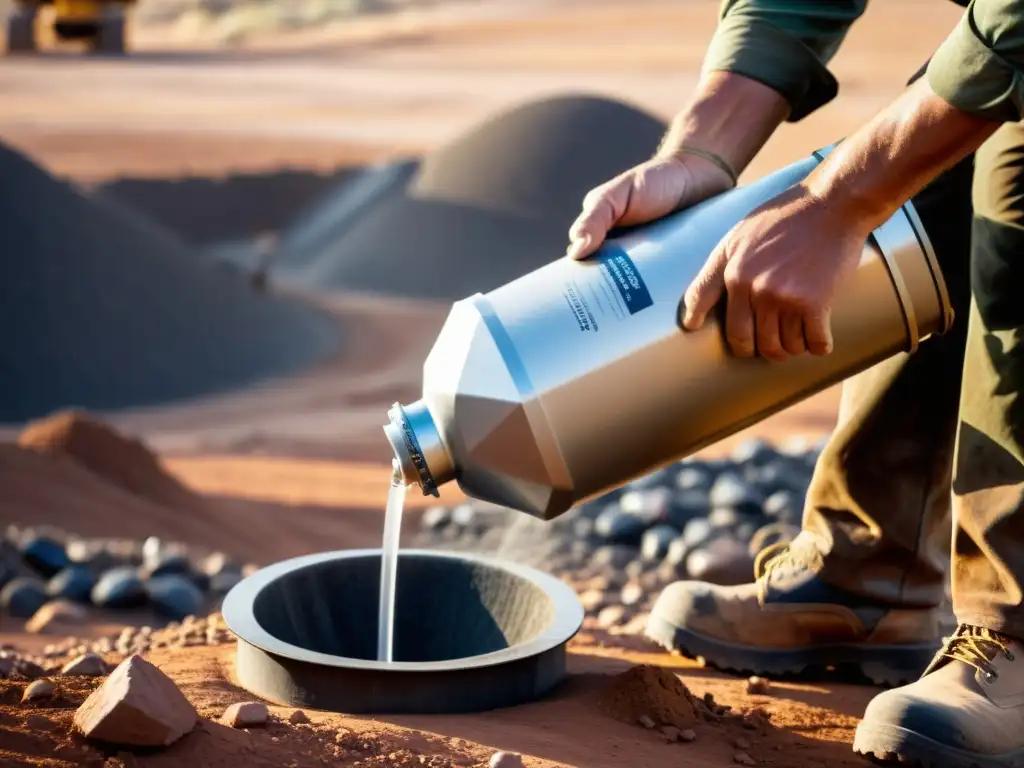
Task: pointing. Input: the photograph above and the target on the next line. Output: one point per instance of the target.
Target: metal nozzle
(420, 456)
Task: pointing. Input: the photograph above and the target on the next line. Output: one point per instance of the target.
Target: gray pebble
(119, 588)
(687, 505)
(44, 555)
(173, 596)
(593, 600)
(222, 583)
(694, 478)
(38, 690)
(611, 616)
(620, 527)
(23, 596)
(505, 760)
(753, 451)
(785, 506)
(723, 561)
(655, 542)
(632, 594)
(151, 548)
(72, 583)
(86, 665)
(730, 490)
(463, 515)
(780, 476)
(613, 556)
(583, 527)
(634, 569)
(677, 552)
(11, 564)
(28, 668)
(167, 563)
(652, 504)
(435, 518)
(697, 532)
(246, 714)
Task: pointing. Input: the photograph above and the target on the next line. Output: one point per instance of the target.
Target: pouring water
(389, 569)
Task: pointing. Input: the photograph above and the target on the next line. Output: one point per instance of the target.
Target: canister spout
(420, 455)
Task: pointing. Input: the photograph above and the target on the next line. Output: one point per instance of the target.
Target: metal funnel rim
(238, 614)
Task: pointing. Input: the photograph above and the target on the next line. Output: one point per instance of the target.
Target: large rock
(137, 705)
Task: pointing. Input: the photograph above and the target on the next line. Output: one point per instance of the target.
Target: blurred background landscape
(227, 252)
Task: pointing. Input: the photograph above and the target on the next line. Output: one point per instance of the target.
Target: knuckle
(734, 278)
(597, 195)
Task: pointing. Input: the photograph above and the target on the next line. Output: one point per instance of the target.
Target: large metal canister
(578, 377)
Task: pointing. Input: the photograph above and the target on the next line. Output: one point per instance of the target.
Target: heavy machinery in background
(100, 24)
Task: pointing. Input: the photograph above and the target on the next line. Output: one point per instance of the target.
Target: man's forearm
(730, 115)
(876, 170)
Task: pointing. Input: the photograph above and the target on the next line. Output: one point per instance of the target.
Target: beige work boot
(789, 621)
(967, 711)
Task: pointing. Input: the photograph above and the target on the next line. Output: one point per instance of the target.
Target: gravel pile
(105, 310)
(697, 519)
(490, 206)
(51, 578)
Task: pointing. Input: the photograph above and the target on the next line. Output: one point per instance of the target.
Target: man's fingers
(818, 332)
(601, 210)
(739, 322)
(769, 334)
(793, 333)
(706, 289)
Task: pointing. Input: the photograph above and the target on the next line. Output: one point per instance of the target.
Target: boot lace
(781, 557)
(978, 646)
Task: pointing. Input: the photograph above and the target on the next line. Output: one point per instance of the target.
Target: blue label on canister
(623, 274)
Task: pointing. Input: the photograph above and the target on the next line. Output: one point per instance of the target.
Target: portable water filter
(578, 377)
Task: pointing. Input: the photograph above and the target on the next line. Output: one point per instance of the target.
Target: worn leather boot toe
(967, 711)
(789, 621)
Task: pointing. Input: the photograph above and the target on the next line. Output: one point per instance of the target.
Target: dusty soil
(805, 726)
(298, 466)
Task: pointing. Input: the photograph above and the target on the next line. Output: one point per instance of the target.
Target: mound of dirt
(647, 691)
(103, 310)
(121, 460)
(492, 205)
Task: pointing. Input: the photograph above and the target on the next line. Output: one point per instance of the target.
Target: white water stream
(389, 571)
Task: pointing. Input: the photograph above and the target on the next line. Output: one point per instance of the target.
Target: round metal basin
(471, 633)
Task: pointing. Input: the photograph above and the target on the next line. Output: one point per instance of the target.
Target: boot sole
(890, 744)
(885, 665)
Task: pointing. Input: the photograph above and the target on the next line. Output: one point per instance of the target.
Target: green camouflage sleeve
(785, 44)
(979, 68)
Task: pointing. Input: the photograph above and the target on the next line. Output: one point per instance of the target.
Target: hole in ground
(446, 608)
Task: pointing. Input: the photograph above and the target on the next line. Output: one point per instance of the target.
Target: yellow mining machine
(100, 24)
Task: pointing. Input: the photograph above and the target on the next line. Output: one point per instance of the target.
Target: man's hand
(730, 116)
(781, 267)
(641, 194)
